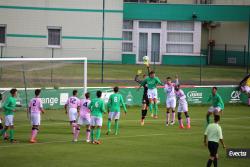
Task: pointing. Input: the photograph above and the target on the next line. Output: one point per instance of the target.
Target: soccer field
(154, 144)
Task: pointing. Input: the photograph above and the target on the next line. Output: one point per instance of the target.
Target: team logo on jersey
(235, 97)
(194, 96)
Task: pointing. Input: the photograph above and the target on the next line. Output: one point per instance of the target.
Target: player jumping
(84, 118)
(171, 99)
(35, 108)
(71, 108)
(217, 104)
(115, 101)
(97, 108)
(152, 81)
(145, 100)
(182, 107)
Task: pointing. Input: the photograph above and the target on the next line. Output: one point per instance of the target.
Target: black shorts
(1, 126)
(145, 100)
(213, 148)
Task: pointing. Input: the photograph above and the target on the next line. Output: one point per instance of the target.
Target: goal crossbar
(54, 59)
(44, 59)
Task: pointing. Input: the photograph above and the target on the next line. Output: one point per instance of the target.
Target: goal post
(43, 73)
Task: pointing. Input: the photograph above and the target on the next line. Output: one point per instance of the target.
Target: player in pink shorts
(71, 108)
(84, 118)
(35, 110)
(182, 107)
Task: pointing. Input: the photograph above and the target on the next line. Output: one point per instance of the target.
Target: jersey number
(72, 101)
(85, 104)
(34, 103)
(115, 99)
(96, 104)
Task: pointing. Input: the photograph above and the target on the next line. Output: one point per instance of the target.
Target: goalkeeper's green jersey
(216, 101)
(151, 82)
(115, 101)
(97, 107)
(9, 105)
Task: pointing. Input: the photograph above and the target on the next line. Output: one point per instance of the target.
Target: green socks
(98, 133)
(150, 107)
(11, 134)
(116, 127)
(155, 109)
(109, 125)
(2, 132)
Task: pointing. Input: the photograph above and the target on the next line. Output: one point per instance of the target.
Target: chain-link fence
(228, 55)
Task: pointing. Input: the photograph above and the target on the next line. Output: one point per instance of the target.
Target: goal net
(43, 73)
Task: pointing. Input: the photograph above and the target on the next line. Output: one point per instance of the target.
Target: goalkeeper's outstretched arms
(148, 68)
(137, 77)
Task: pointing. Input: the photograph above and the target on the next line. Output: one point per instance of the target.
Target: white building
(168, 31)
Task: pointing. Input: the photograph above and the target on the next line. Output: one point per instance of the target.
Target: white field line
(104, 138)
(148, 120)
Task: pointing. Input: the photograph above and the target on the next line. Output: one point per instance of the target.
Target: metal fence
(228, 55)
(218, 65)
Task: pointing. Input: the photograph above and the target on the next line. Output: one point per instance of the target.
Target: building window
(127, 36)
(54, 36)
(153, 25)
(2, 34)
(180, 37)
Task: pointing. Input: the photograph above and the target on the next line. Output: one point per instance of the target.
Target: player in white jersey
(71, 108)
(171, 99)
(35, 110)
(182, 106)
(84, 118)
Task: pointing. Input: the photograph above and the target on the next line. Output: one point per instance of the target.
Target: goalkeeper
(145, 100)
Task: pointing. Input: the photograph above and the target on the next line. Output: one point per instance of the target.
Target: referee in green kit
(212, 136)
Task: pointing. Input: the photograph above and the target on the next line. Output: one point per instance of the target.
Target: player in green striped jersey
(217, 104)
(152, 81)
(97, 109)
(115, 101)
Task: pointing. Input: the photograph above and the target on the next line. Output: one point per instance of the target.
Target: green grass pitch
(118, 73)
(151, 145)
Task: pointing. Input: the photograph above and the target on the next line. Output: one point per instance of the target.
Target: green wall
(184, 60)
(55, 98)
(169, 59)
(142, 11)
(128, 59)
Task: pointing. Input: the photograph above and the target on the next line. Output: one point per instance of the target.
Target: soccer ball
(145, 58)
